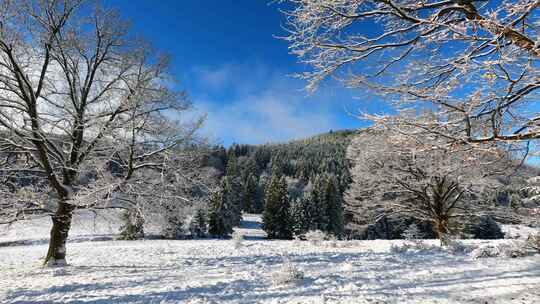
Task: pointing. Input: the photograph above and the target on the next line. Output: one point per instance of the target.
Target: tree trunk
(56, 256)
(442, 231)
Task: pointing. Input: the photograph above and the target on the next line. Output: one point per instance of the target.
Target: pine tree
(232, 197)
(198, 225)
(299, 217)
(219, 224)
(262, 184)
(276, 219)
(250, 194)
(232, 169)
(319, 217)
(334, 206)
(249, 168)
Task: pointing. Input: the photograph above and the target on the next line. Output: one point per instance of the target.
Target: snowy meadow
(161, 152)
(104, 270)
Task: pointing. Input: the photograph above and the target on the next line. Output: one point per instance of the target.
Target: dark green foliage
(233, 188)
(258, 204)
(334, 206)
(393, 227)
(322, 207)
(301, 159)
(276, 219)
(133, 227)
(232, 197)
(318, 218)
(319, 162)
(249, 196)
(248, 167)
(219, 223)
(485, 228)
(300, 217)
(232, 166)
(198, 225)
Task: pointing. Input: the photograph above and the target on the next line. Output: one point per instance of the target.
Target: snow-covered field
(217, 271)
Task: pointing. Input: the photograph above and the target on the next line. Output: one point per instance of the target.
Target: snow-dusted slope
(214, 271)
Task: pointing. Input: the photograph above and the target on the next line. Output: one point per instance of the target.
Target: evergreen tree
(334, 206)
(198, 225)
(232, 197)
(232, 169)
(249, 168)
(318, 213)
(219, 224)
(232, 186)
(276, 219)
(250, 194)
(299, 216)
(258, 204)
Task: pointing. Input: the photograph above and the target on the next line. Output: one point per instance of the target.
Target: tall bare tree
(474, 62)
(78, 94)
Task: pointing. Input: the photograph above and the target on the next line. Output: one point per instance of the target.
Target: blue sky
(226, 56)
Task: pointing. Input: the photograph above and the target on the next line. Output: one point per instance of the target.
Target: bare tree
(474, 62)
(394, 173)
(78, 94)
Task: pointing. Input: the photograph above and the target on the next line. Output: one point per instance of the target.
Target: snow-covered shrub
(418, 246)
(332, 243)
(533, 242)
(315, 237)
(133, 225)
(400, 248)
(489, 251)
(237, 239)
(510, 250)
(457, 247)
(513, 250)
(287, 274)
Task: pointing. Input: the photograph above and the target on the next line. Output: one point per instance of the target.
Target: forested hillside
(312, 172)
(307, 185)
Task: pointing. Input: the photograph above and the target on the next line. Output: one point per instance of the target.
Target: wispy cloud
(253, 103)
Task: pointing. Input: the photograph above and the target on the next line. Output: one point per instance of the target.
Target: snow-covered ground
(215, 271)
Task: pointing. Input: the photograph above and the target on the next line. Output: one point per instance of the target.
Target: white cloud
(255, 104)
(213, 78)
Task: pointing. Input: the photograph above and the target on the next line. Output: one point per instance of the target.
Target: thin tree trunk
(56, 256)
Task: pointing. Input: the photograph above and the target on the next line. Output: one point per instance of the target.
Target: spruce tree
(232, 187)
(219, 224)
(334, 206)
(199, 224)
(299, 216)
(232, 166)
(276, 219)
(319, 216)
(232, 197)
(250, 194)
